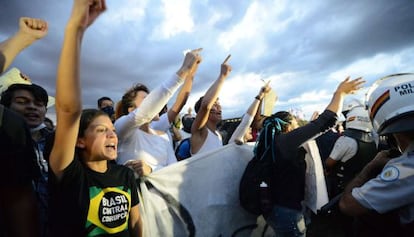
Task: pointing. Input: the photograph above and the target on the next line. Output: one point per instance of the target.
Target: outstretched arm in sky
(199, 126)
(68, 89)
(30, 30)
(183, 95)
(242, 128)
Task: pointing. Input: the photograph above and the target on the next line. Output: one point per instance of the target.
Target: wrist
(183, 72)
(339, 93)
(74, 30)
(224, 75)
(258, 97)
(23, 39)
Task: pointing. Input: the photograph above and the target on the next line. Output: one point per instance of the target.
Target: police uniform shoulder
(390, 173)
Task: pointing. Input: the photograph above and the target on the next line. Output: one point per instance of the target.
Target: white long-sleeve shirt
(242, 128)
(134, 143)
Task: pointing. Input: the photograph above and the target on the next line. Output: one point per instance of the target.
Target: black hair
(100, 100)
(198, 104)
(272, 126)
(163, 110)
(38, 93)
(187, 122)
(88, 115)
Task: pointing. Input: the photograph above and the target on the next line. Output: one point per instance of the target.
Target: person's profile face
(215, 111)
(294, 124)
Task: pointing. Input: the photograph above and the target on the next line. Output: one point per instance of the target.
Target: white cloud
(304, 47)
(261, 18)
(285, 84)
(311, 97)
(240, 90)
(129, 11)
(177, 19)
(380, 64)
(217, 16)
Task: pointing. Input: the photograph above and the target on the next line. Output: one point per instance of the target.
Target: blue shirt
(392, 189)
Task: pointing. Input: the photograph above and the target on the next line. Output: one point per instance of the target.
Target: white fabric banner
(316, 194)
(200, 197)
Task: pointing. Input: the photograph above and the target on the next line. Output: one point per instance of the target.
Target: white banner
(316, 194)
(200, 197)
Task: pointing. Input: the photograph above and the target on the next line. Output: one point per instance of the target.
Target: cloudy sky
(304, 47)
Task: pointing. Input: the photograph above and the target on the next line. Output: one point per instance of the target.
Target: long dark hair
(272, 126)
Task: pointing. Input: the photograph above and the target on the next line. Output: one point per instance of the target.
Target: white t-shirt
(213, 141)
(344, 149)
(156, 150)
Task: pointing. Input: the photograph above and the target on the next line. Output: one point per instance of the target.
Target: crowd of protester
(68, 167)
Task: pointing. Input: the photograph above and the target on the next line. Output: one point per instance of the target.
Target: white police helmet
(351, 103)
(358, 118)
(390, 102)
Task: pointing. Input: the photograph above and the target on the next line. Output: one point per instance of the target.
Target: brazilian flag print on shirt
(108, 210)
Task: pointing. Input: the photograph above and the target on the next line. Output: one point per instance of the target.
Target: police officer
(353, 150)
(386, 184)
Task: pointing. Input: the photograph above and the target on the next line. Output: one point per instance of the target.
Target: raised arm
(155, 100)
(30, 30)
(257, 120)
(327, 119)
(345, 87)
(68, 91)
(238, 134)
(210, 98)
(182, 96)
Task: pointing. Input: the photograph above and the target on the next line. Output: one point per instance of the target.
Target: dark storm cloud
(334, 35)
(324, 37)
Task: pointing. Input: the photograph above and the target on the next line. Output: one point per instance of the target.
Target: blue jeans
(286, 222)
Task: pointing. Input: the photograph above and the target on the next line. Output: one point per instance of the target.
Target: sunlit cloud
(177, 18)
(305, 48)
(261, 18)
(377, 66)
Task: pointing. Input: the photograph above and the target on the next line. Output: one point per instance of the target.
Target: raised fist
(85, 12)
(33, 27)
